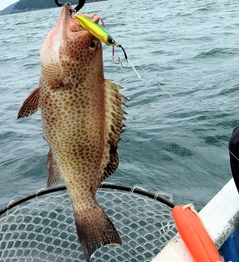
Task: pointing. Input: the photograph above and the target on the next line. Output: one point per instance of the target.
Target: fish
(82, 118)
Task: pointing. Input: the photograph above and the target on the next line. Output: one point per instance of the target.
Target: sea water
(181, 111)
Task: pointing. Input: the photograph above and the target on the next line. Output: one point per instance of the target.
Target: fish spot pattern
(82, 121)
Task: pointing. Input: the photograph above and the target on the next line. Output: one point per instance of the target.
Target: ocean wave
(218, 52)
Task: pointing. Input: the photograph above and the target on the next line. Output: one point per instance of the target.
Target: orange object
(194, 234)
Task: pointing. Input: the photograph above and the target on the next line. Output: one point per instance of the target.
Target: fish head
(72, 49)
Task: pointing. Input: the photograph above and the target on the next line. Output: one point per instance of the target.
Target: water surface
(180, 114)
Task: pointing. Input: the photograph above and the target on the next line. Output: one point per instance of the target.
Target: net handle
(134, 189)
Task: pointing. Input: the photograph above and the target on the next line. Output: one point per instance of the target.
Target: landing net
(41, 227)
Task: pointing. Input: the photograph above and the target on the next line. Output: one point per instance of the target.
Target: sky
(6, 3)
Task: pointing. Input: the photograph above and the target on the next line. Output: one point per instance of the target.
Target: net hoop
(41, 226)
(135, 189)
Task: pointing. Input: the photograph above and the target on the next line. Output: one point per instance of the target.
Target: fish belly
(74, 126)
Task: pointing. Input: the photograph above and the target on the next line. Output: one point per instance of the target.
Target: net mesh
(43, 229)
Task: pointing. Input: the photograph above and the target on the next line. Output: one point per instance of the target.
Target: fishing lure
(100, 33)
(96, 30)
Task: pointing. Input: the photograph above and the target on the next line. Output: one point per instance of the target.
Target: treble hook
(125, 56)
(113, 56)
(77, 8)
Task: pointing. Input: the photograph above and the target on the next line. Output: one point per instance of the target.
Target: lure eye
(93, 45)
(111, 41)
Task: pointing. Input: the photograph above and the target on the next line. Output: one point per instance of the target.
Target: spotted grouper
(82, 119)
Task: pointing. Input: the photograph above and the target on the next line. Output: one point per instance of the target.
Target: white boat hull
(220, 217)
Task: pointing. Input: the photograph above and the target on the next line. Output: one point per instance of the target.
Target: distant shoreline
(21, 7)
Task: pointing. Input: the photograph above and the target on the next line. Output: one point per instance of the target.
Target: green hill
(31, 5)
(7, 10)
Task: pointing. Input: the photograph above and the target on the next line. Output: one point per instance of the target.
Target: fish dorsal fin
(54, 176)
(30, 105)
(113, 127)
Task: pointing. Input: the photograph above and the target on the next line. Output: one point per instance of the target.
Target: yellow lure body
(96, 30)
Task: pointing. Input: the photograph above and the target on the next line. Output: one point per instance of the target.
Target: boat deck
(221, 219)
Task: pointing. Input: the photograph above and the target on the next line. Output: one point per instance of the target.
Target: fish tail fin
(95, 230)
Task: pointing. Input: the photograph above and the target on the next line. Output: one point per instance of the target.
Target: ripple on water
(184, 102)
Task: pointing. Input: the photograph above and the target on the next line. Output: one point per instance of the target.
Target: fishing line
(104, 36)
(131, 64)
(171, 96)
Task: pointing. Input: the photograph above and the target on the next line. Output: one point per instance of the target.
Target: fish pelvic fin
(95, 230)
(54, 176)
(30, 105)
(113, 128)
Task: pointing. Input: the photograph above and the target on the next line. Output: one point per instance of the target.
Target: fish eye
(93, 45)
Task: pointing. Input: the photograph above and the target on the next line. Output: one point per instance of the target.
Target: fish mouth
(66, 22)
(72, 29)
(66, 31)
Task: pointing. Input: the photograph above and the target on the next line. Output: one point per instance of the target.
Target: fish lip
(66, 22)
(55, 37)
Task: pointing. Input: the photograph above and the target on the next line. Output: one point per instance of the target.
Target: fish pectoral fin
(30, 105)
(54, 176)
(94, 229)
(53, 75)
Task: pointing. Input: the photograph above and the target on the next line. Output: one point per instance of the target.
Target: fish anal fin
(113, 128)
(30, 105)
(54, 176)
(95, 230)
